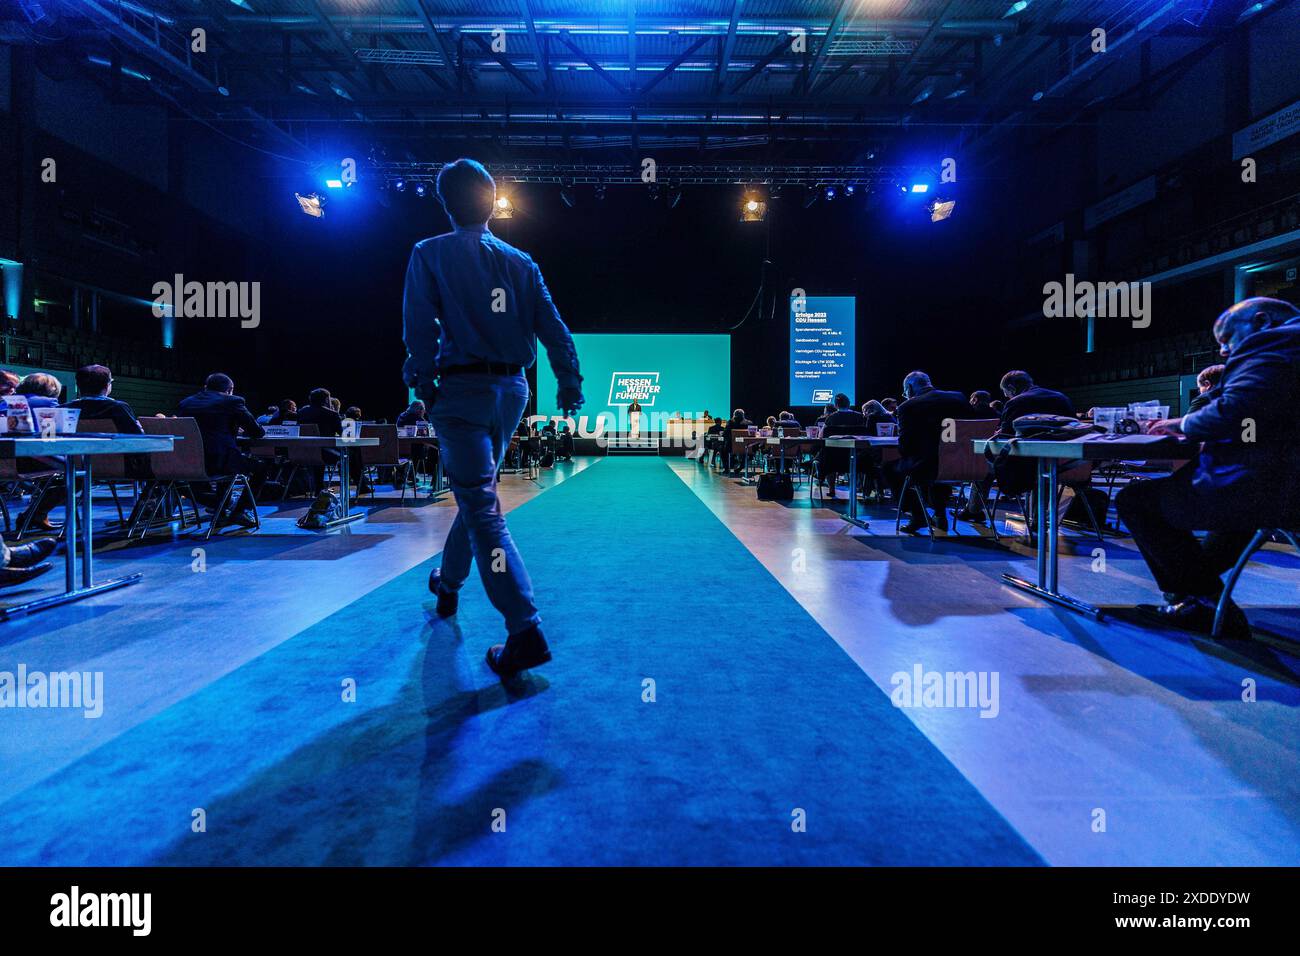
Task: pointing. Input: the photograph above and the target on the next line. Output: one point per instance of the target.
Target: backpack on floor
(323, 510)
(773, 486)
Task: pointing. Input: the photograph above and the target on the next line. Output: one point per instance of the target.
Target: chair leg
(112, 490)
(248, 490)
(221, 508)
(161, 493)
(38, 493)
(1256, 543)
(288, 483)
(925, 509)
(1092, 515)
(902, 496)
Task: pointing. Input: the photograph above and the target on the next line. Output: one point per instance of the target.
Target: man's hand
(570, 400)
(1163, 426)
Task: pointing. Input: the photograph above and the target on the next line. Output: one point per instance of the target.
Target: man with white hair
(1245, 476)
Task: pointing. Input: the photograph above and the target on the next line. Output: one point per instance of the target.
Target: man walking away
(473, 305)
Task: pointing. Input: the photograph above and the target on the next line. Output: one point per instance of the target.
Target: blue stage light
(421, 189)
(920, 187)
(334, 183)
(400, 185)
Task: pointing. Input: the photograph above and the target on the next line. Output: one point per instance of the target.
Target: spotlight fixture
(941, 209)
(848, 189)
(753, 209)
(334, 183)
(421, 189)
(503, 209)
(400, 185)
(312, 204)
(830, 193)
(920, 187)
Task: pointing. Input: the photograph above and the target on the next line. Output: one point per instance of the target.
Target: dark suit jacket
(101, 407)
(844, 421)
(920, 429)
(1032, 401)
(1250, 484)
(1201, 399)
(329, 421)
(220, 417)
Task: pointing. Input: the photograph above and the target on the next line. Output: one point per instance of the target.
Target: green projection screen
(667, 374)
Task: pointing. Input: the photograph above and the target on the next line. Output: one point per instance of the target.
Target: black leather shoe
(520, 652)
(972, 517)
(915, 526)
(448, 601)
(11, 577)
(32, 553)
(1197, 614)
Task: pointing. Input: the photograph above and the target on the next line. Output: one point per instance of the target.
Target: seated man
(1245, 476)
(1207, 380)
(1015, 476)
(286, 413)
(845, 420)
(564, 443)
(414, 415)
(738, 421)
(920, 431)
(979, 405)
(94, 384)
(320, 411)
(221, 415)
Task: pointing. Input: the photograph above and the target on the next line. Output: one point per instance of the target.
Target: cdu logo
(625, 387)
(821, 396)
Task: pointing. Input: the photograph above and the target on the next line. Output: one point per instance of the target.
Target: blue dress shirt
(472, 298)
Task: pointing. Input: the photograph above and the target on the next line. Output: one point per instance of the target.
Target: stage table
(1048, 455)
(856, 443)
(70, 448)
(282, 443)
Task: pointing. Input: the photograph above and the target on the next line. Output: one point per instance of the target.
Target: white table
(71, 448)
(1048, 455)
(853, 443)
(275, 442)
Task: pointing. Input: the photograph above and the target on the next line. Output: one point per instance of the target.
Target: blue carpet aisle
(758, 712)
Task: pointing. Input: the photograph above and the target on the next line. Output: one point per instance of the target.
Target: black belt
(482, 368)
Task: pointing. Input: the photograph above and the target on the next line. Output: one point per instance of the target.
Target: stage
(720, 694)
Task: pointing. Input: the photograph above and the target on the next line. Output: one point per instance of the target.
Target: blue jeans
(474, 417)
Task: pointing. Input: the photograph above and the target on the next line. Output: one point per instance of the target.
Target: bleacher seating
(61, 347)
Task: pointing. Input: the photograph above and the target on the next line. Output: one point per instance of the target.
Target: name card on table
(281, 431)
